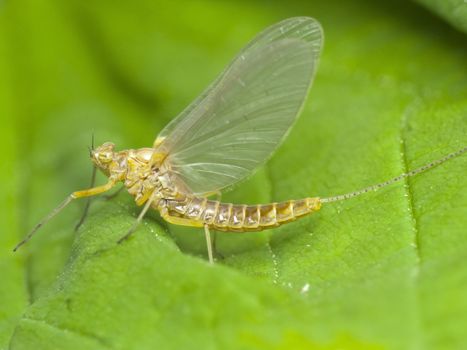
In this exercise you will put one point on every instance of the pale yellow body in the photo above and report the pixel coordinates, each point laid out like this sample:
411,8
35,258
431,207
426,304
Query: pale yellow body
147,177
198,212
244,115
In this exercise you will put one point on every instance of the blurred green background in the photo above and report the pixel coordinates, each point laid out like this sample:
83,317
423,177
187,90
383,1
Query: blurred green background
382,271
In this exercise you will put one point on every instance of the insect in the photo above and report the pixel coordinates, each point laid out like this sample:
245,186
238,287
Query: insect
230,130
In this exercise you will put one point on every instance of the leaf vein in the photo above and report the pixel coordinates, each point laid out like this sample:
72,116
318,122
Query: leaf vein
414,222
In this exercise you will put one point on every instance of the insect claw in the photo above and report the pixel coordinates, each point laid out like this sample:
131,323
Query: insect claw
128,234
122,239
17,246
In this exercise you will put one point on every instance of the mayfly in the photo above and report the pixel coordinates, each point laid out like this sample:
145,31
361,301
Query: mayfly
222,137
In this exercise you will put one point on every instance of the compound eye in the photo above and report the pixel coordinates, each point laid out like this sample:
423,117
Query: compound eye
105,157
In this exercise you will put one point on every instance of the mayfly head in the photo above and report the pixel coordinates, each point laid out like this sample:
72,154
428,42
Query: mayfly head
103,155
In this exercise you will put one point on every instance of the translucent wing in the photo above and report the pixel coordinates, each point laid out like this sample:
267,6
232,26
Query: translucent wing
237,123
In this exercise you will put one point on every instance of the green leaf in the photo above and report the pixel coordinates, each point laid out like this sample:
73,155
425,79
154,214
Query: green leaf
454,11
13,290
384,270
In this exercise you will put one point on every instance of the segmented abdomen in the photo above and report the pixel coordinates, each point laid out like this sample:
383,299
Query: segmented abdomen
242,217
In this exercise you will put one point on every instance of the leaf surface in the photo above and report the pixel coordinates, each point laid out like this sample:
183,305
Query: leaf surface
384,270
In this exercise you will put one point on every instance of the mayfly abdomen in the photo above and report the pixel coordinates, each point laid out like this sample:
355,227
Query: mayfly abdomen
191,208
241,217
196,211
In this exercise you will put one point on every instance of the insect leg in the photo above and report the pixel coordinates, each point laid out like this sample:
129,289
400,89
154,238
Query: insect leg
209,243
140,217
113,195
192,223
88,202
180,221
218,195
78,194
94,191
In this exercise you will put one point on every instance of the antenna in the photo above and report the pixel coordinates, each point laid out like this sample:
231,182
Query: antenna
395,179
91,149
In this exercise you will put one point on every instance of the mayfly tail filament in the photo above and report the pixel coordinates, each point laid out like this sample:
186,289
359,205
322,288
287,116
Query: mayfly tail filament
395,179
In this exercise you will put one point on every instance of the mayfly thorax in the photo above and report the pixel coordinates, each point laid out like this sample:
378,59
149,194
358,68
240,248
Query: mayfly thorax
230,130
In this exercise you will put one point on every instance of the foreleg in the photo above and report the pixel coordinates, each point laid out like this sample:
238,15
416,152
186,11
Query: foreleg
77,194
